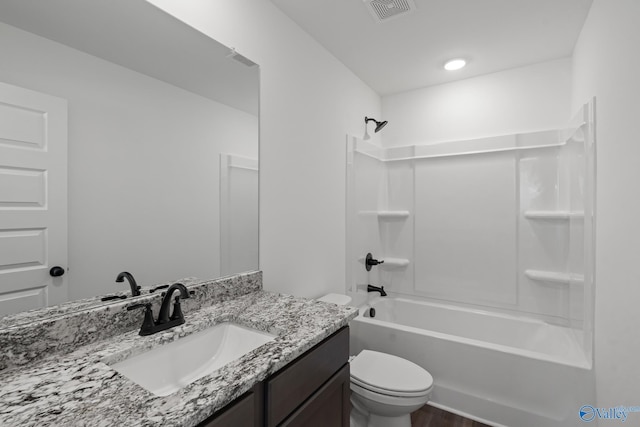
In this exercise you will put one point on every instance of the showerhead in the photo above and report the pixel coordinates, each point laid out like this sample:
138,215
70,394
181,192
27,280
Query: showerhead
379,125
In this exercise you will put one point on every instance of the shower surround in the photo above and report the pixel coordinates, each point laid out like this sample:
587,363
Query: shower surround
501,225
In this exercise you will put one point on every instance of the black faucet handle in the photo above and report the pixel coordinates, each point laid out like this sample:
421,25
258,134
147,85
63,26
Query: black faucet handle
370,261
148,323
158,287
112,297
136,306
177,310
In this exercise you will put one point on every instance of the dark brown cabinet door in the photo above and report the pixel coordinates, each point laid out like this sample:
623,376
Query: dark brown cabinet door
292,386
246,411
328,407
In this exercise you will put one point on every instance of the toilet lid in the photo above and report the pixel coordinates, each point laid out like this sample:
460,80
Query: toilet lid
389,374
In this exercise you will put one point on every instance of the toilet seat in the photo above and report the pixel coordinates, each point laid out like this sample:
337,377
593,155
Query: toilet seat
390,393
396,401
389,375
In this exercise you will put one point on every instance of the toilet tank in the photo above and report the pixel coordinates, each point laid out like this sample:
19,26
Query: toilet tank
339,299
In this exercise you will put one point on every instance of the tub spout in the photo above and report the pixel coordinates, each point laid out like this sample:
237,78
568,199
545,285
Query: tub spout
371,288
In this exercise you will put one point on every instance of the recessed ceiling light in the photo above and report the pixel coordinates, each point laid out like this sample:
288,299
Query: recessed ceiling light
455,64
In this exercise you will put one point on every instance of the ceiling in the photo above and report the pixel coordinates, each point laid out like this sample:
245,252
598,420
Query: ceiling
409,50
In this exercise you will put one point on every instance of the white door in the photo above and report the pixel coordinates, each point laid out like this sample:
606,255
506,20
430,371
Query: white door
33,199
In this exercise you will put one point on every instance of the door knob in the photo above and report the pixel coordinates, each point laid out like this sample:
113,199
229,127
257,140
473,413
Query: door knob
56,271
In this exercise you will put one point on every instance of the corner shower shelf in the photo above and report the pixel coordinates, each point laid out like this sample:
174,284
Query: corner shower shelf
386,215
554,277
553,215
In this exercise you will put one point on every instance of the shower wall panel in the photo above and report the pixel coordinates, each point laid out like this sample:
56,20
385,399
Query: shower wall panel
365,190
465,228
397,233
543,243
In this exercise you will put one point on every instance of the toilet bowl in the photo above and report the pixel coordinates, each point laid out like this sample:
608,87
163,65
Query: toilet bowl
385,389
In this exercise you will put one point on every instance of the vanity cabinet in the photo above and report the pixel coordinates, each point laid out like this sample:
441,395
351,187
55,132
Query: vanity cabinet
329,406
314,383
247,410
311,391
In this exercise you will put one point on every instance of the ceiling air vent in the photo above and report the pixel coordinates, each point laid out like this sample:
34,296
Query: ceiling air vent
384,10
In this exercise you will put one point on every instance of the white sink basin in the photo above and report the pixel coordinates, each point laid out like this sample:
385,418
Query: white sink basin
167,368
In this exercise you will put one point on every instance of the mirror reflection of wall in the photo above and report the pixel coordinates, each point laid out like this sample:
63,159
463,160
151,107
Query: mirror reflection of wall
143,168
238,213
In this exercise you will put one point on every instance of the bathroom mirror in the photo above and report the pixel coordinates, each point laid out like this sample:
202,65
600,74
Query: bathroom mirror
161,134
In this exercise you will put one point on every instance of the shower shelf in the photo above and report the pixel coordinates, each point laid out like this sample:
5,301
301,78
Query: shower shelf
554,277
386,215
553,215
392,263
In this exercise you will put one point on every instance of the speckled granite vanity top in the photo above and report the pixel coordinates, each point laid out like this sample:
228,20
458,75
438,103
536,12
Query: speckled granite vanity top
80,389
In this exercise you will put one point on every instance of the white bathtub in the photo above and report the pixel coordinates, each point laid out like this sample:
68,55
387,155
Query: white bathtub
499,369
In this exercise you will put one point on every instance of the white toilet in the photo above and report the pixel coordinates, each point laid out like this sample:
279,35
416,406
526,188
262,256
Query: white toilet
385,388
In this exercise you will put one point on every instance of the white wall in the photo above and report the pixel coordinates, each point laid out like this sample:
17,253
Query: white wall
606,66
309,101
531,98
143,165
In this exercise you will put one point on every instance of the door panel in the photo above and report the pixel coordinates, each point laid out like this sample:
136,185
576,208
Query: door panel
33,199
22,127
23,188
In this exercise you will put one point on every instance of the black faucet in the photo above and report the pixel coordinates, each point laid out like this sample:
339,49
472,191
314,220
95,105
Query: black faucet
163,316
371,288
164,322
135,289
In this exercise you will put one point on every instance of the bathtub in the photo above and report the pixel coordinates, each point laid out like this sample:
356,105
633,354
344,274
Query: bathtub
498,369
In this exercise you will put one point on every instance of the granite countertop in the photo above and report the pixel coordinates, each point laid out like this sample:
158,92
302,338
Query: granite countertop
80,389
24,317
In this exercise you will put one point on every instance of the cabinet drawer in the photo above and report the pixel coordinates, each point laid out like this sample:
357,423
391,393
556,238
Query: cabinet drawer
289,388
